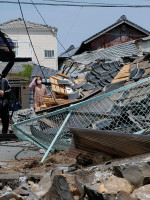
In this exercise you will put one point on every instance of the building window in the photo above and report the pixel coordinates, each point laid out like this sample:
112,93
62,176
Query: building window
49,53
16,48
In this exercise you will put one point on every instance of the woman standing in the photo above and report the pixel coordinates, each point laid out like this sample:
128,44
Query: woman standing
39,92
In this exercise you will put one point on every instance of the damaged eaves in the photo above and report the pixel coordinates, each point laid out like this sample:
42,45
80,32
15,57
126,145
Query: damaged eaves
44,72
97,68
86,65
112,143
127,49
100,76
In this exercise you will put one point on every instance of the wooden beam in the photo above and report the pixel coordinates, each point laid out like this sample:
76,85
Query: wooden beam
54,77
58,101
49,122
63,75
118,80
123,74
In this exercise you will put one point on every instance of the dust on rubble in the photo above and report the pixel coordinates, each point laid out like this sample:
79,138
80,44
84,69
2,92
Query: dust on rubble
33,164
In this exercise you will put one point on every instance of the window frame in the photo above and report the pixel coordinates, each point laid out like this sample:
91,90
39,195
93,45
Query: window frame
49,54
16,49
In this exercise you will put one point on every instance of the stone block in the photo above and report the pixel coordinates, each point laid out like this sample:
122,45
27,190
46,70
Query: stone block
142,193
59,190
114,185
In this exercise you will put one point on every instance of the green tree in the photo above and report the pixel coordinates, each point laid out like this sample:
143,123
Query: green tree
26,73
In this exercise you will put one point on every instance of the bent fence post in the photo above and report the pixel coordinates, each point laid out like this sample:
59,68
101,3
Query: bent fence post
56,136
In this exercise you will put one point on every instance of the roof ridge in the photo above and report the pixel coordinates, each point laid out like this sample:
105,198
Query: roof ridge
29,22
121,20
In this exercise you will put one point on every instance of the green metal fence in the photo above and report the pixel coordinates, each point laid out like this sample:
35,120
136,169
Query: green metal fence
126,110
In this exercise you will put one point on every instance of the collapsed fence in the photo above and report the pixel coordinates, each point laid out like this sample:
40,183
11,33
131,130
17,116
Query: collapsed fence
125,110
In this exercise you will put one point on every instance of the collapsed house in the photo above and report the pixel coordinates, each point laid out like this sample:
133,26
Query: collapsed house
103,90
121,31
120,103
90,74
114,121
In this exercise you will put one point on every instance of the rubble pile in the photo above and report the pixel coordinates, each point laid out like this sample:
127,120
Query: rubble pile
115,180
104,131
22,115
80,81
77,80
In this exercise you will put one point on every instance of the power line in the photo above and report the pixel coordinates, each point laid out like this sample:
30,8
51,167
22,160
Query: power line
81,2
28,32
75,20
32,44
49,28
79,5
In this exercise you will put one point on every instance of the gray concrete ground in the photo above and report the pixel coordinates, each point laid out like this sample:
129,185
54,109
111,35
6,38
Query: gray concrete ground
17,150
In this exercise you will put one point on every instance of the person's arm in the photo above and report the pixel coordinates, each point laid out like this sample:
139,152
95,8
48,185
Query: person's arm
45,93
6,88
32,84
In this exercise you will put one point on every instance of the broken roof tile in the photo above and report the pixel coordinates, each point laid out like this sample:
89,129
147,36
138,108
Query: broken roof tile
139,74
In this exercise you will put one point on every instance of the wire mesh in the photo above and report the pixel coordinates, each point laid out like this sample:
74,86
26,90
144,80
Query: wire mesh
124,110
42,130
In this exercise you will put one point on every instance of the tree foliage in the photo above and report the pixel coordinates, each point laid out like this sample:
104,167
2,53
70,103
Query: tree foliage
26,73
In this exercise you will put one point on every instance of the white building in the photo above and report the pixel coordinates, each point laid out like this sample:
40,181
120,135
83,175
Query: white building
43,39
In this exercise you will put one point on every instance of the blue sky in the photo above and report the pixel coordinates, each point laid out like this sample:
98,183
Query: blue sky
76,24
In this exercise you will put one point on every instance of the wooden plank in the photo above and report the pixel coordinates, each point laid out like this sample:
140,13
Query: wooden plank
59,90
53,80
47,104
79,80
118,80
56,87
47,96
58,101
125,69
49,122
123,74
63,75
43,107
56,78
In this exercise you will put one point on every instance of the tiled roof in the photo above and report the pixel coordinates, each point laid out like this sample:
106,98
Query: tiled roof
19,24
126,49
69,53
17,67
44,72
121,20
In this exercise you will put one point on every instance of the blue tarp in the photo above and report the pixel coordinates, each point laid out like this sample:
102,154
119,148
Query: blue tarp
2,43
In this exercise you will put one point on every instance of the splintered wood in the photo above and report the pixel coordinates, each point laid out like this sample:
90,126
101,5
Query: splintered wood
63,75
58,101
59,93
123,74
56,87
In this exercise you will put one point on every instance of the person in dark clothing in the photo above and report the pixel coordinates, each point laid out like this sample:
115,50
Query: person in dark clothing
5,90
